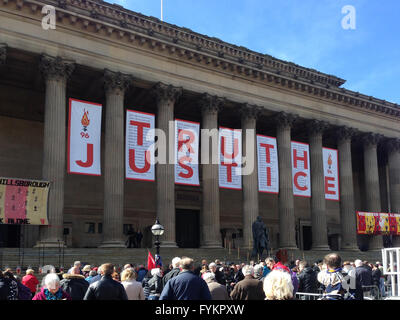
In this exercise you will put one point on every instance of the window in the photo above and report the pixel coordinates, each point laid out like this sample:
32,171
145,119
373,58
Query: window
90,227
100,227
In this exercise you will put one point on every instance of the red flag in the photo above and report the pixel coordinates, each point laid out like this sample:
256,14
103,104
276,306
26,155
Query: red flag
151,264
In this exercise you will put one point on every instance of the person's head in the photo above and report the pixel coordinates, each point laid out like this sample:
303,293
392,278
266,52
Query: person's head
217,261
128,265
128,274
378,263
187,264
297,262
52,282
258,270
358,263
77,264
203,262
209,277
86,269
30,272
106,269
248,270
156,271
333,261
75,270
212,267
270,262
115,276
175,262
278,286
302,264
92,273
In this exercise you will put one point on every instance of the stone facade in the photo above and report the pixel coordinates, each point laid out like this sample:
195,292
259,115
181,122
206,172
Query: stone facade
103,53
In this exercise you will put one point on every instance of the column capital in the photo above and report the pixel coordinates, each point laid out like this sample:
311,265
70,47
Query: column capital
116,81
371,139
345,133
165,92
211,104
249,111
56,67
285,119
392,145
316,127
3,53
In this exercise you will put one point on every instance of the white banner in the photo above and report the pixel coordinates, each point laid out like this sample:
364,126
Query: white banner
268,169
187,152
301,169
331,174
84,138
230,158
139,146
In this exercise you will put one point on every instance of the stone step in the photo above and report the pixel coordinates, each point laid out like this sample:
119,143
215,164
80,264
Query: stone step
12,257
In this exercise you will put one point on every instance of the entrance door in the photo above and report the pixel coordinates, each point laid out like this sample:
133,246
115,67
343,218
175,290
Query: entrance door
10,235
307,238
187,228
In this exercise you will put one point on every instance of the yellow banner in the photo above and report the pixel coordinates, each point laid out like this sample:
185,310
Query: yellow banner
23,201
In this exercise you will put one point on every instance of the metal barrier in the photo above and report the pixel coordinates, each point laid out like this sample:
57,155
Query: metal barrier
372,292
307,296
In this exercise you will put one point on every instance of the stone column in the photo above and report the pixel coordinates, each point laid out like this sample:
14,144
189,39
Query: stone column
250,181
115,84
372,193
56,72
347,208
166,95
287,226
393,147
210,235
318,202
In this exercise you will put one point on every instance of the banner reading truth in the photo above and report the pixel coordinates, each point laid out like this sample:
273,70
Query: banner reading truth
139,148
230,158
187,152
23,201
84,138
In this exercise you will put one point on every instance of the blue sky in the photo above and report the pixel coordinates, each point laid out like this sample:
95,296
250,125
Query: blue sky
306,32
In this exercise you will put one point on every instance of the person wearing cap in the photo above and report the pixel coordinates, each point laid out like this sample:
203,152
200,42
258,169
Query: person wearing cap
30,281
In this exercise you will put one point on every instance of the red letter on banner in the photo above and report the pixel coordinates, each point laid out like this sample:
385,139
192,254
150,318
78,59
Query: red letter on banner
329,185
89,157
189,174
303,158
140,126
235,149
229,169
188,142
296,176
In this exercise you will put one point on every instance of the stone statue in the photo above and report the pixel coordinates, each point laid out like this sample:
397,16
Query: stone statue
260,238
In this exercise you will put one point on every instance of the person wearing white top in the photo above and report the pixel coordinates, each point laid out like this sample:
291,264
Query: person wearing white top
132,287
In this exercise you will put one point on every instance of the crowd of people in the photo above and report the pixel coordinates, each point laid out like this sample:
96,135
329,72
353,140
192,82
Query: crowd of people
269,279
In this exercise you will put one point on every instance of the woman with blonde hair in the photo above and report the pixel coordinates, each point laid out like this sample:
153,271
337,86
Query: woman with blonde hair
278,286
133,288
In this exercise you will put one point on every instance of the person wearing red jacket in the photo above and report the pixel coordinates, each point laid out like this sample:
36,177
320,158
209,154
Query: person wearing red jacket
30,281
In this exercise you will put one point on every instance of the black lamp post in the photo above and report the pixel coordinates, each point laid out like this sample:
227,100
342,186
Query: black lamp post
157,229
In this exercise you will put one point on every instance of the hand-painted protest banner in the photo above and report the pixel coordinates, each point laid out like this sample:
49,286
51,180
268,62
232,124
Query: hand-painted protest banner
230,158
139,146
301,169
267,157
84,138
23,201
378,223
187,152
331,174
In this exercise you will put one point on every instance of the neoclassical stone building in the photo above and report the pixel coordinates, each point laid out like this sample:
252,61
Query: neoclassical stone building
106,54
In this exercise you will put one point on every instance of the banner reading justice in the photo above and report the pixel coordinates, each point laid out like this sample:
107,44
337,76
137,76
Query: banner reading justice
23,201
84,136
187,152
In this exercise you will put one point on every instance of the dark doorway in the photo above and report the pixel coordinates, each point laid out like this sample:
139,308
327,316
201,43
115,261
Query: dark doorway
10,236
187,228
307,238
333,242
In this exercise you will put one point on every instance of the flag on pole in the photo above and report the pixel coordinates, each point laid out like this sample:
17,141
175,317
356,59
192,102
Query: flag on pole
151,264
